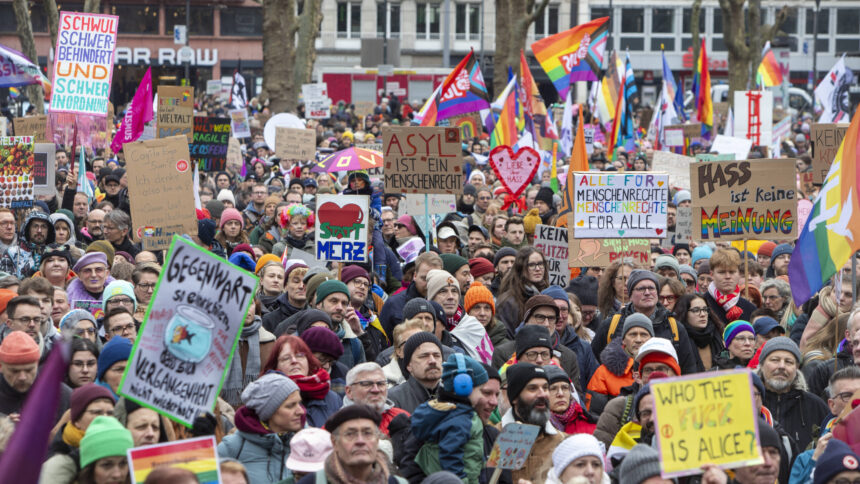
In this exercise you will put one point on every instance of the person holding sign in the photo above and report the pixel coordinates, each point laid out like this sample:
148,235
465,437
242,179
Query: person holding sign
293,219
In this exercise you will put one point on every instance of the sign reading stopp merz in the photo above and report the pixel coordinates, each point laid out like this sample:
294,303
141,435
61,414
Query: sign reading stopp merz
423,160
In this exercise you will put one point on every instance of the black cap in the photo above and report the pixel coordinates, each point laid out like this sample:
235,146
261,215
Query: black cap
352,412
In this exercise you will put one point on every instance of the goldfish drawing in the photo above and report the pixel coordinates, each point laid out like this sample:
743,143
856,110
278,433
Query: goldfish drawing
181,334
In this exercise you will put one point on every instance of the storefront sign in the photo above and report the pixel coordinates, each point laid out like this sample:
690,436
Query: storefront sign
167,56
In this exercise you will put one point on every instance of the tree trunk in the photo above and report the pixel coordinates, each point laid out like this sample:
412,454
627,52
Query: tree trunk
279,30
28,48
694,30
53,17
306,54
755,41
92,6
734,35
513,19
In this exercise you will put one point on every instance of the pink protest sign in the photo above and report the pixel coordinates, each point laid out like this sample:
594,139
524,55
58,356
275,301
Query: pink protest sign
83,66
515,171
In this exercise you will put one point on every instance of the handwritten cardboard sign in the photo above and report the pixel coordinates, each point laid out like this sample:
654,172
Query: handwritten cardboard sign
160,183
674,136
240,125
423,160
628,205
44,167
515,171
341,228
211,136
436,204
198,455
749,199
234,153
602,252
189,334
175,112
16,171
83,63
705,420
552,242
825,140
678,167
213,87
513,446
35,126
295,143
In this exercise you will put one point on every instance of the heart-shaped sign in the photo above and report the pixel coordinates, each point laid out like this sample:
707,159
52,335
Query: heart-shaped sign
515,171
337,216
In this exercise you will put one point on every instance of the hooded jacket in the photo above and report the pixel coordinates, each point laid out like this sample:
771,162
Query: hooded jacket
615,373
453,437
24,258
262,452
797,410
587,362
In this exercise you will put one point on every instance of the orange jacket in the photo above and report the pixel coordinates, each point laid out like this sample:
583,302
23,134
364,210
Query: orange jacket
605,382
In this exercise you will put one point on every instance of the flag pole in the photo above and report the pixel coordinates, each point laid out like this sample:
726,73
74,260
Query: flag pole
746,272
854,278
427,221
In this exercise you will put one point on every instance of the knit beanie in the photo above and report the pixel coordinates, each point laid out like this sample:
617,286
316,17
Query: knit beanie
105,437
117,349
450,369
265,259
640,394
502,253
480,266
532,336
292,264
555,374
71,318
637,320
704,268
437,280
330,287
585,288
58,250
351,272
556,292
452,262
90,258
216,207
700,252
769,437
477,293
313,284
84,395
102,246
668,261
530,220
734,329
638,276
658,350
780,343
641,463
492,373
537,301
231,214
442,477
688,269
766,249
836,458
18,348
118,288
246,248
206,231
243,260
266,394
519,375
545,195
416,306
681,196
757,383
781,249
417,340
227,195
574,447
323,340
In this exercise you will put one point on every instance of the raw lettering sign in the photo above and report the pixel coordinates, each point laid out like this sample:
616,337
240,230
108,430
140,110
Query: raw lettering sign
423,160
341,228
552,242
628,205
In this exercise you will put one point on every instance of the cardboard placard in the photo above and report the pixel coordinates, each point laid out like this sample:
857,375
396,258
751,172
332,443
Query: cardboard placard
513,446
825,140
552,242
749,199
198,455
35,126
309,259
684,225
213,87
678,167
341,228
602,252
44,169
234,153
160,183
83,63
689,130
189,334
16,171
209,149
673,137
705,420
240,126
739,147
175,112
437,204
295,143
626,205
423,160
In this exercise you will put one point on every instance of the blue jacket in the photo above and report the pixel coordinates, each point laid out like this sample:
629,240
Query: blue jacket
320,410
449,425
263,453
584,356
385,262
392,311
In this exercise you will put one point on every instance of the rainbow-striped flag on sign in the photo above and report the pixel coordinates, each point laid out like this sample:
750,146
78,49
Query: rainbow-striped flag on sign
573,55
769,73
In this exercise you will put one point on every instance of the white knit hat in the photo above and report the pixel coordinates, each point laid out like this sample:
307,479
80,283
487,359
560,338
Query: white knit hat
574,447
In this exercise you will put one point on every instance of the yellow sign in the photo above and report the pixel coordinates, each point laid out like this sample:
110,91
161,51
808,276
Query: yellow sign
705,420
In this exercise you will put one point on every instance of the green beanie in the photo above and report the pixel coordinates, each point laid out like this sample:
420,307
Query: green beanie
452,262
330,287
105,437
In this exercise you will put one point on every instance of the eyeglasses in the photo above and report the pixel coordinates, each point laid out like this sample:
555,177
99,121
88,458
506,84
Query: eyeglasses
360,284
534,355
771,298
844,396
621,278
125,301
118,330
645,289
29,321
534,265
485,198
147,286
745,339
670,298
588,314
110,227
367,384
701,310
83,331
541,318
84,364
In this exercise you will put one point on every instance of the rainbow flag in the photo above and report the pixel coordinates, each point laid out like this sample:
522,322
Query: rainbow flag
832,231
464,90
198,455
573,55
505,132
702,88
14,92
427,115
610,86
769,73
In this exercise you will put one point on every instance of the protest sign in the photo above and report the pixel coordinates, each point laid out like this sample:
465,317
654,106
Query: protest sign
35,126
602,252
189,333
198,455
674,136
513,446
739,147
552,242
213,87
437,204
825,140
410,250
627,205
589,139
16,171
423,160
688,130
309,259
160,183
295,143
715,157
678,167
234,153
93,307
240,126
741,111
705,420
175,112
83,63
341,228
514,171
317,103
44,166
684,225
749,199
209,149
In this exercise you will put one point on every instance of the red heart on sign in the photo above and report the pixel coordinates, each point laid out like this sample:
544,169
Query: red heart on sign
338,216
659,231
515,171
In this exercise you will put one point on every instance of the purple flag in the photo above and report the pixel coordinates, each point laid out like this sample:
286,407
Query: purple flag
137,115
28,446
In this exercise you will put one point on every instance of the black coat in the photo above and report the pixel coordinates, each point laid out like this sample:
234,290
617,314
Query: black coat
409,395
818,374
717,311
282,310
392,311
799,412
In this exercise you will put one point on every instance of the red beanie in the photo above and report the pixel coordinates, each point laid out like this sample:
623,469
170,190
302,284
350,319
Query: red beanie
766,249
480,266
6,296
18,348
659,357
83,396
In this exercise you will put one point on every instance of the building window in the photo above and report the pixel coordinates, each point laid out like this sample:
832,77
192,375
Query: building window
468,21
242,21
687,15
390,23
547,24
790,24
663,20
427,20
823,28
349,20
632,20
137,19
201,20
847,21
600,12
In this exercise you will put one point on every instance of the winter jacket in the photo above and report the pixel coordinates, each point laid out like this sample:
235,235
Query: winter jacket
262,452
539,460
587,362
616,413
498,334
717,311
282,310
818,374
24,258
319,410
77,292
392,311
797,410
568,359
353,349
509,312
615,373
473,338
385,263
453,437
688,354
126,246
63,465
410,394
374,339
392,373
11,400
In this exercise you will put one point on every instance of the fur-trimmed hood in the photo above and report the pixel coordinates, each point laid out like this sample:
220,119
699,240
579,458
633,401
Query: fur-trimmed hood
614,358
799,382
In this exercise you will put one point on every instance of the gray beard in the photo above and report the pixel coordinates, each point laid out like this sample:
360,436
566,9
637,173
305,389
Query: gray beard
777,386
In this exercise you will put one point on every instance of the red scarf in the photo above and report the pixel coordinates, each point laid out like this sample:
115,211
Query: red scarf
572,421
313,387
728,302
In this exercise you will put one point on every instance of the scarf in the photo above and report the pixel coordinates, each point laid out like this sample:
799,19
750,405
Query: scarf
703,337
72,435
727,301
455,319
268,302
313,387
236,379
335,473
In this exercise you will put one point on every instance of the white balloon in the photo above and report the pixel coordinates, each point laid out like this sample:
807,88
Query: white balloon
284,120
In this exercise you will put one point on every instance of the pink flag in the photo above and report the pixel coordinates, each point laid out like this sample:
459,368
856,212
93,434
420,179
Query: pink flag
137,115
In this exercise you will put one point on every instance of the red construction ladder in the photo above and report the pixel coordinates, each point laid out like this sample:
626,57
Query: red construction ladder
754,117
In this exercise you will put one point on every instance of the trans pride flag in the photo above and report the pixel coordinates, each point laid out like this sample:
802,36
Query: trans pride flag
573,55
464,90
